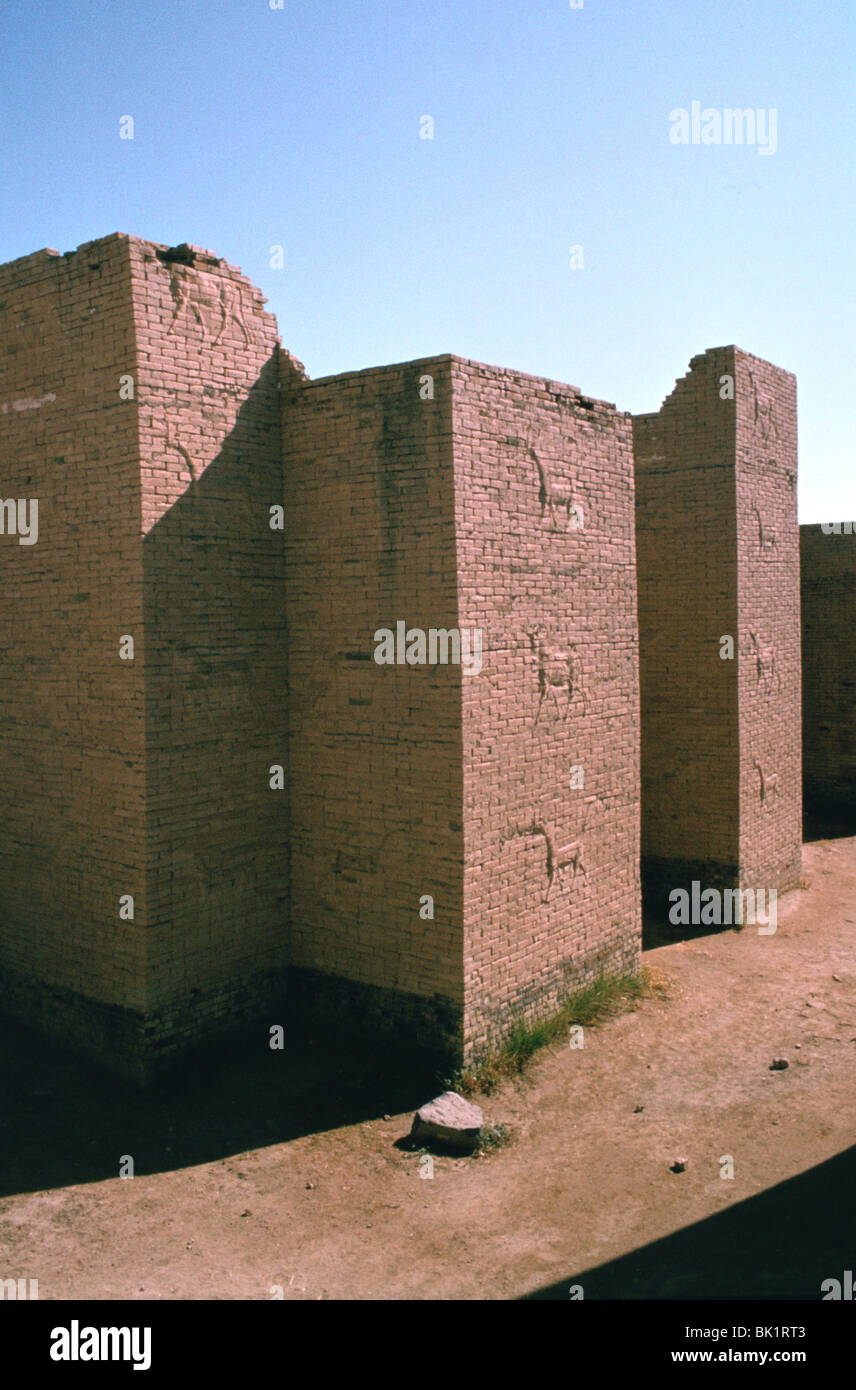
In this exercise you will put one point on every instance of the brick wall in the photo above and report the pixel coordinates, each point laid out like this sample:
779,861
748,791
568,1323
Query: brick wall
716,553
374,750
71,711
141,389
214,630
768,602
546,562
453,511
686,548
444,851
828,584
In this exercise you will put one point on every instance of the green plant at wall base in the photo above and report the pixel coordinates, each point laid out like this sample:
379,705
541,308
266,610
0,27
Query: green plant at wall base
606,996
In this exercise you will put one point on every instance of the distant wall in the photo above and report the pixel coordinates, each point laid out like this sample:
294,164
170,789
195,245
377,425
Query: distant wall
828,586
546,563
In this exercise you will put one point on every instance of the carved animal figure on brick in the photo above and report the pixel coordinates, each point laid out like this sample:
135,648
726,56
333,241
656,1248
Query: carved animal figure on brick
561,860
567,858
181,288
766,668
556,497
769,788
173,442
765,416
766,535
557,677
231,310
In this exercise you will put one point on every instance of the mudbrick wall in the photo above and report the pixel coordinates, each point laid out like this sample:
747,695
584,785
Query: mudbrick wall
686,545
375,754
719,629
72,713
768,616
207,368
544,516
828,584
142,393
374,749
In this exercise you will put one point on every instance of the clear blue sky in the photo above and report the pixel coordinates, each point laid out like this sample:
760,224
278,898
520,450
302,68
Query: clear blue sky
300,127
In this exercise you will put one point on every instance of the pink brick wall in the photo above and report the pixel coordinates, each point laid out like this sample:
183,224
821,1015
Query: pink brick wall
546,559
716,551
828,582
71,711
215,643
768,602
442,494
411,781
374,750
687,575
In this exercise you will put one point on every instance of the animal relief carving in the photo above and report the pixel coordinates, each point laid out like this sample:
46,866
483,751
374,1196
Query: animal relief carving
763,654
765,415
769,786
766,535
557,675
556,496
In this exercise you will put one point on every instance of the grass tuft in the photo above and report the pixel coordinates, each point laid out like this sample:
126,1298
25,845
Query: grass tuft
607,996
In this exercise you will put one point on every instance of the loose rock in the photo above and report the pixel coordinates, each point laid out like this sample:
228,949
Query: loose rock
448,1119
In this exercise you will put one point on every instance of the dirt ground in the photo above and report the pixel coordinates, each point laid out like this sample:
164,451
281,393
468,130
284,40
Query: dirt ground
281,1176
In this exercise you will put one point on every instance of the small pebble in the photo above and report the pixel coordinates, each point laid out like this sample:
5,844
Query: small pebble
779,1064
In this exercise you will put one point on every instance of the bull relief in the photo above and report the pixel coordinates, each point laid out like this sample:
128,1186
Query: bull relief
766,535
765,413
558,680
559,508
768,788
191,302
763,656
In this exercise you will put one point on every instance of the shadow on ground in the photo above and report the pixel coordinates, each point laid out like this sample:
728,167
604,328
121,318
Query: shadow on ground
657,930
66,1121
782,1243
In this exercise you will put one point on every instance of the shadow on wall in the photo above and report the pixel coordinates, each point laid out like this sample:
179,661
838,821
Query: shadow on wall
824,821
216,721
782,1243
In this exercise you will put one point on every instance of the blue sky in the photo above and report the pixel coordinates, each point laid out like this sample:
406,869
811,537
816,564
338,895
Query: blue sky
299,127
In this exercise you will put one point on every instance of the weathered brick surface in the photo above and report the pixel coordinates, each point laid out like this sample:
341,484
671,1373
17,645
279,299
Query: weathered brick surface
374,750
716,550
546,563
147,777
768,604
455,512
214,644
828,586
72,736
441,494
